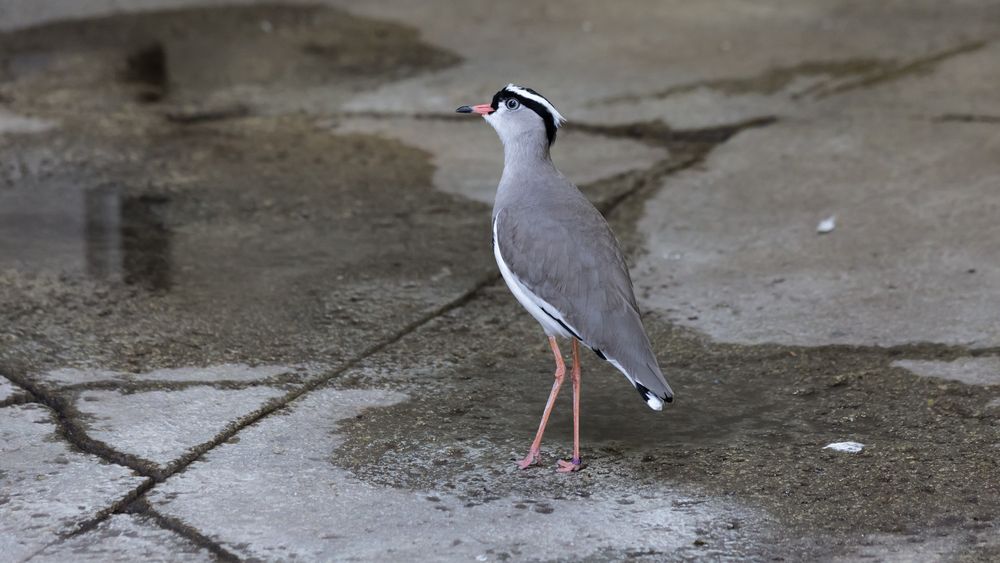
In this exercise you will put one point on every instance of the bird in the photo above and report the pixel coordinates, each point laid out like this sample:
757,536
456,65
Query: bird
561,260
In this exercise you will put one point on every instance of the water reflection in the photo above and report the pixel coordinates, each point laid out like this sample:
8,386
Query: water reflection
102,231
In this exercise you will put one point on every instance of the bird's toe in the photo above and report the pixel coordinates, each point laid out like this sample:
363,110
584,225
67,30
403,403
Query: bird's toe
569,466
529,460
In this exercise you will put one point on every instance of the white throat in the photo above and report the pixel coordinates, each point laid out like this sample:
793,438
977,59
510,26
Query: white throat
520,146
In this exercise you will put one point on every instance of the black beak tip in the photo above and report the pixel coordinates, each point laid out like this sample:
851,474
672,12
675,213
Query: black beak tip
464,109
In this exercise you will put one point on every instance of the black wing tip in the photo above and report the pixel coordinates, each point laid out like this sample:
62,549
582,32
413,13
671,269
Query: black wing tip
654,400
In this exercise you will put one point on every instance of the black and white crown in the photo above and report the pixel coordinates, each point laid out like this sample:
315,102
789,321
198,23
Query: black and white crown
535,102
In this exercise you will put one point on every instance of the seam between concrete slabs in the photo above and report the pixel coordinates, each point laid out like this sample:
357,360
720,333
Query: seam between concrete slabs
141,507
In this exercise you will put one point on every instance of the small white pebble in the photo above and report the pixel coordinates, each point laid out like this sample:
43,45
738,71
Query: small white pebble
827,225
482,557
846,447
266,26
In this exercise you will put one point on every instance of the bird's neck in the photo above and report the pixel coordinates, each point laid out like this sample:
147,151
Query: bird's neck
525,151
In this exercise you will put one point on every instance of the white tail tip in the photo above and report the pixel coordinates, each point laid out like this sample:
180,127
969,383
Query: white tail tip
654,403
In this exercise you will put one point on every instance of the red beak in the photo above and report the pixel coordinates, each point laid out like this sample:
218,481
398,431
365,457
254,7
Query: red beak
481,109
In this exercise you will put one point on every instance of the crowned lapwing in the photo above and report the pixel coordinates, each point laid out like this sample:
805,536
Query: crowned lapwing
561,260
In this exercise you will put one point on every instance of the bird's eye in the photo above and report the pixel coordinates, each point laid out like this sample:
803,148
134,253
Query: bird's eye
513,103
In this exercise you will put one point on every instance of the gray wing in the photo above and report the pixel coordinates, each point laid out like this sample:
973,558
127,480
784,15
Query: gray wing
565,253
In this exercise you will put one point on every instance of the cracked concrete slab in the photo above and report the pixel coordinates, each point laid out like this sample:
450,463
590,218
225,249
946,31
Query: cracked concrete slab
161,426
971,371
46,488
468,157
731,248
358,520
125,537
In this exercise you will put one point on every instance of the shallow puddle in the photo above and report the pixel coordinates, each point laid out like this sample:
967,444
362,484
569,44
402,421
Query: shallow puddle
98,231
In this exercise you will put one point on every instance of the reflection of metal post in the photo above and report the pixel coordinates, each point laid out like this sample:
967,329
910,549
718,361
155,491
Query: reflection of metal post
146,241
127,238
103,232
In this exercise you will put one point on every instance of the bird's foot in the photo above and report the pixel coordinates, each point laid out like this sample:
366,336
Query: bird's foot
531,459
570,466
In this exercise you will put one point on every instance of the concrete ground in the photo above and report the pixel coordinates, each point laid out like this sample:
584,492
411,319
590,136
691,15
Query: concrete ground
248,308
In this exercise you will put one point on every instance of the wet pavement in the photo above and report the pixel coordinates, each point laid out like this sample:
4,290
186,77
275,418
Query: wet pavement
248,308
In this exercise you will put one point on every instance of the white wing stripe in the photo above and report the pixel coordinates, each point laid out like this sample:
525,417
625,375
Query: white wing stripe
544,313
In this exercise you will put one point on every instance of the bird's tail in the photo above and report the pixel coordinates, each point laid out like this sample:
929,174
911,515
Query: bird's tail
652,386
647,379
628,349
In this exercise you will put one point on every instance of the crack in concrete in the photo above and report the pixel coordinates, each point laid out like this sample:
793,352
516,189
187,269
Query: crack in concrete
100,516
141,507
136,505
921,65
968,118
67,422
696,142
130,387
853,73
768,82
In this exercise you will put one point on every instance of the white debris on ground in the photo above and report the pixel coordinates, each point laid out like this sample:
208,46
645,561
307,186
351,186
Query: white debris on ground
827,225
846,447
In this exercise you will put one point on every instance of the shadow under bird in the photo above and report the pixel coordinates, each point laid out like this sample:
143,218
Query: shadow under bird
561,260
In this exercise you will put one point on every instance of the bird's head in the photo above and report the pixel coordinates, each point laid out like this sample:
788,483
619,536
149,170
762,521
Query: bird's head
520,114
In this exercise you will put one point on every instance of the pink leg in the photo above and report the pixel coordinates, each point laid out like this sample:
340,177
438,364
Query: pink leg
532,457
575,464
